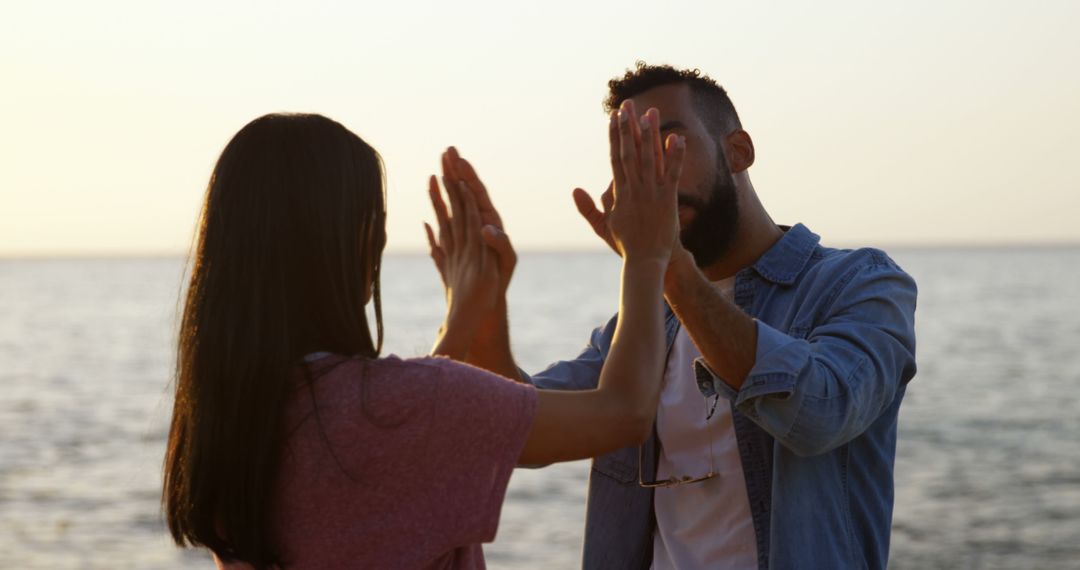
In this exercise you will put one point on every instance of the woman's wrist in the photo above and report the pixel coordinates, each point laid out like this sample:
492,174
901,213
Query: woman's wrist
461,321
644,265
642,281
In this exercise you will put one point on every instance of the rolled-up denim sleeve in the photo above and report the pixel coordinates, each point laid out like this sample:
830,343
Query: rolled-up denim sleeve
581,373
817,393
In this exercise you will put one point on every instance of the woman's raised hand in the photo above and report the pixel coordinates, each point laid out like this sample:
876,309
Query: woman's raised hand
643,218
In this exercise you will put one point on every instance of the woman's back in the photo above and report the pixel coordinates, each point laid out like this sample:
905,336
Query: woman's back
396,463
363,462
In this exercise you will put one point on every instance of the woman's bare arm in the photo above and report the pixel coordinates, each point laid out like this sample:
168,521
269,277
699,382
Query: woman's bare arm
573,425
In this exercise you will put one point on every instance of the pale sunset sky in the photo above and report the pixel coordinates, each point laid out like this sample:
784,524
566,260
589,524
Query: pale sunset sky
913,123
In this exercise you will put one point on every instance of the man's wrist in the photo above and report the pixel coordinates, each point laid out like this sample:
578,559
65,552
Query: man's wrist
461,323
454,339
493,325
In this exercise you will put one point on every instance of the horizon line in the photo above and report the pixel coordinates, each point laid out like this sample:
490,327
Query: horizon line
407,251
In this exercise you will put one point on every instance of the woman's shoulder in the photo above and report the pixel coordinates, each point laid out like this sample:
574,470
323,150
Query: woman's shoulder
449,373
338,365
421,367
395,377
346,379
384,392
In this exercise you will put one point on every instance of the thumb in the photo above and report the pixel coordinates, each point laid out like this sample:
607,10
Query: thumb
497,240
586,207
597,219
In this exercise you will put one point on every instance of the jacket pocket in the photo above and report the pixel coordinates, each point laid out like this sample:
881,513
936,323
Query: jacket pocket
621,465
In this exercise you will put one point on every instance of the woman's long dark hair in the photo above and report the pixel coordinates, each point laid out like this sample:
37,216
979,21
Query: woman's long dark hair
287,254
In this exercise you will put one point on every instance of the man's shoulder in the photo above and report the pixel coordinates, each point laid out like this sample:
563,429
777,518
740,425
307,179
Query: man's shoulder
837,261
832,271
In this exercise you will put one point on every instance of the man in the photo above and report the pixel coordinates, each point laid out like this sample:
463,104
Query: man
776,432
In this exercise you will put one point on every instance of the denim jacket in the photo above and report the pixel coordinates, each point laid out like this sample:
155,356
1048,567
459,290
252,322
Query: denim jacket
815,419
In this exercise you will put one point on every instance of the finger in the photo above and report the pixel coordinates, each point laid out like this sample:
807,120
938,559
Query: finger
453,192
448,164
635,129
437,203
498,241
437,254
472,217
432,242
647,157
657,142
457,212
676,152
441,215
467,173
454,160
617,173
607,199
627,149
450,177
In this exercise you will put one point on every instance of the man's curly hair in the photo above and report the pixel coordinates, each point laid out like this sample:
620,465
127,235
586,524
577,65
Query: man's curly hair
713,105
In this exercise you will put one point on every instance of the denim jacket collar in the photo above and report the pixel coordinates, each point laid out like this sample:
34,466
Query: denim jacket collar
785,260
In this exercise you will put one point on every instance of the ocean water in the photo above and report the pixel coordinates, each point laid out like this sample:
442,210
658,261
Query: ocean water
988,467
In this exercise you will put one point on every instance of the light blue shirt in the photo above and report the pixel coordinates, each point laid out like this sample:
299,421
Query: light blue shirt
815,420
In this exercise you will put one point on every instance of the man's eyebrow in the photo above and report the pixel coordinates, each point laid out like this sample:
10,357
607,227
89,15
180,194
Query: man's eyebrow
672,125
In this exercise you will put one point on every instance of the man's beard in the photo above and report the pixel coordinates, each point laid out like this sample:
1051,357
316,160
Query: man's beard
711,233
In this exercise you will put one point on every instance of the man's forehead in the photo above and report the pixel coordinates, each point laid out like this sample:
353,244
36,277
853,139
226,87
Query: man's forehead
674,101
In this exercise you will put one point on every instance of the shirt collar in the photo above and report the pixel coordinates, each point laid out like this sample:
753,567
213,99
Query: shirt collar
784,261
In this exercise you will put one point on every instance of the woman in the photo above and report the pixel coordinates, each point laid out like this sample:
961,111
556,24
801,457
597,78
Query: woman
293,444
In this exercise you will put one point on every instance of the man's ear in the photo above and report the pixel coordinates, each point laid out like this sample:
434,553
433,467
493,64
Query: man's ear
740,151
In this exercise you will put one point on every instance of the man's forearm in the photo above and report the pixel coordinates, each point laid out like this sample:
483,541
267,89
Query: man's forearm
722,332
490,348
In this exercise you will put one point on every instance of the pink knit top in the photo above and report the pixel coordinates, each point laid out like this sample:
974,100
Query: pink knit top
396,463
